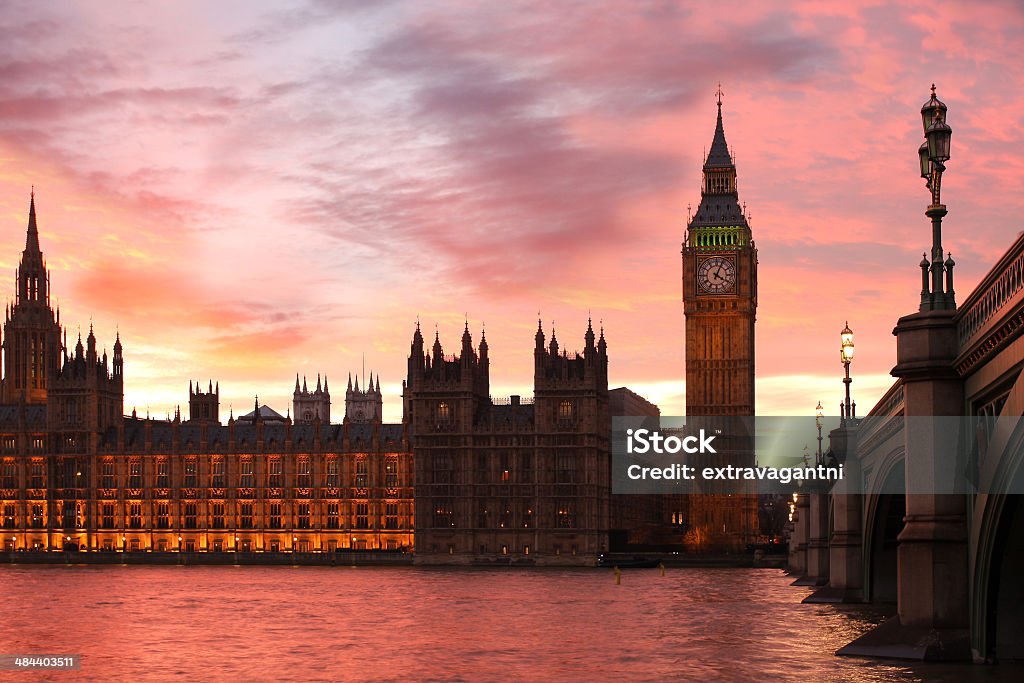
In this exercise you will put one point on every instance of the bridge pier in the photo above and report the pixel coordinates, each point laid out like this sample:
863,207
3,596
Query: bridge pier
846,554
933,619
798,543
817,539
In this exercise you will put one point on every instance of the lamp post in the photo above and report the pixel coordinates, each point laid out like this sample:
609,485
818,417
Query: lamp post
819,420
933,155
846,357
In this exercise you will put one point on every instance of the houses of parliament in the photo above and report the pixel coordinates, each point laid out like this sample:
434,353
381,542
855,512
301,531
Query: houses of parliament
463,478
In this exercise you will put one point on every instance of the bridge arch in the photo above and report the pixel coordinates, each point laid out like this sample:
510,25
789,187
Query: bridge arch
998,578
883,521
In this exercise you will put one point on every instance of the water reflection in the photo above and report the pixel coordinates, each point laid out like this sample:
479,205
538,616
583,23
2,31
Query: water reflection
321,623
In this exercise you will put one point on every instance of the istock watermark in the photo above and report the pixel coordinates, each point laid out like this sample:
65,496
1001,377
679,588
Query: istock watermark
747,454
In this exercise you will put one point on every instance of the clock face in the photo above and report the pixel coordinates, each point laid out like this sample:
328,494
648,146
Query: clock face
716,275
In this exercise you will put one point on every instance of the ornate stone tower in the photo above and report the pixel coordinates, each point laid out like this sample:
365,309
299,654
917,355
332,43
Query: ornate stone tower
719,303
86,396
364,406
310,406
204,407
32,344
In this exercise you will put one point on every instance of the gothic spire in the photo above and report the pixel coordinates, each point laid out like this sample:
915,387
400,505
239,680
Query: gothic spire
719,156
719,198
32,239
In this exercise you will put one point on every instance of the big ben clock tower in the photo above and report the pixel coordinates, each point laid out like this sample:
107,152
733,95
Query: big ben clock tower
719,304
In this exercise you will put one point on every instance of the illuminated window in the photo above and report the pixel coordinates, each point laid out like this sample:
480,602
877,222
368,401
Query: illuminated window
303,516
134,474
362,473
217,479
565,410
37,476
443,516
274,520
245,516
505,515
163,478
9,475
191,470
443,413
9,521
107,519
333,521
528,517
332,472
274,477
70,514
135,515
163,515
302,473
391,472
391,516
38,516
108,474
246,479
190,516
217,515
362,516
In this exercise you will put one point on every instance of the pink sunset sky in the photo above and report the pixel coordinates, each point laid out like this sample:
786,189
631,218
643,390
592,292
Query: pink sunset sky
249,190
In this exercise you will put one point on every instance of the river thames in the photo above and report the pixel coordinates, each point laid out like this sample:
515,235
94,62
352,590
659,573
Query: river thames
400,624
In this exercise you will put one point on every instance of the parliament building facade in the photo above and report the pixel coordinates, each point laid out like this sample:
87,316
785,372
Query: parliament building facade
463,478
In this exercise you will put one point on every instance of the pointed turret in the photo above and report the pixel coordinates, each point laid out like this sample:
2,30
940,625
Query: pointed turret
437,347
32,238
540,335
118,357
553,346
296,382
318,388
91,346
718,155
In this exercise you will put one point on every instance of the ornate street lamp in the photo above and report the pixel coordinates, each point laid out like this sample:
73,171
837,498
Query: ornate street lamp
932,156
848,409
819,420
